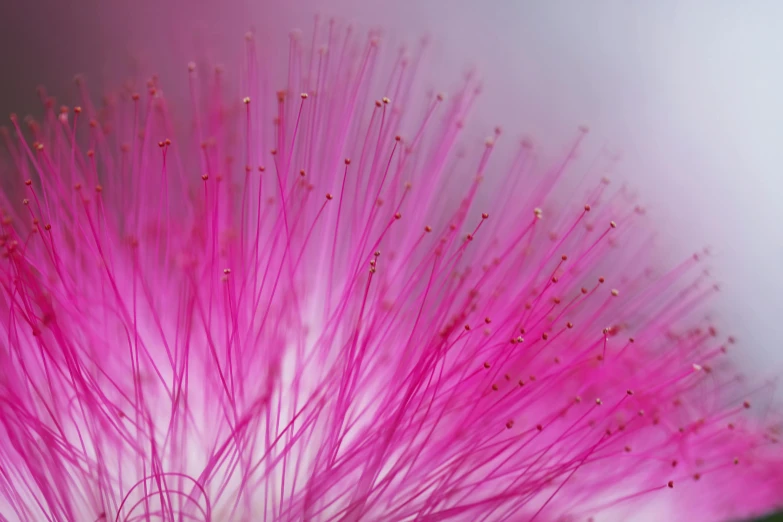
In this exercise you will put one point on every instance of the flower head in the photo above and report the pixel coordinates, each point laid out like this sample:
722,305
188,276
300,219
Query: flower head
323,303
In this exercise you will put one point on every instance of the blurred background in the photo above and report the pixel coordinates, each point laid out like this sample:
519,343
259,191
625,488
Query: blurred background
687,93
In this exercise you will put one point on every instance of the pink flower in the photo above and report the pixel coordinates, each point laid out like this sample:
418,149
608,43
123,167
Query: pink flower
329,304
